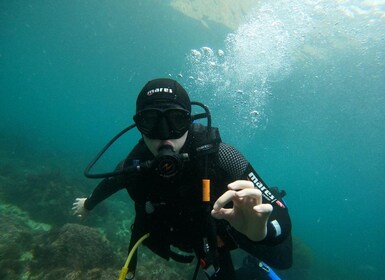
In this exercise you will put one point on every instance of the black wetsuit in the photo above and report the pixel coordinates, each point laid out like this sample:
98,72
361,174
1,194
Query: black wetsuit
170,208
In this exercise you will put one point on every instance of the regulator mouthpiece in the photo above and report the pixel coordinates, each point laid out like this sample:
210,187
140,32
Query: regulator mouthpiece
167,163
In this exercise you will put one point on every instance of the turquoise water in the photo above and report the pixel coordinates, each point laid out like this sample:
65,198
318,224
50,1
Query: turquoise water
299,88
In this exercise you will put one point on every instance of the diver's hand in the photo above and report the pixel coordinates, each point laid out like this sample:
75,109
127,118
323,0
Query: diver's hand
248,215
78,208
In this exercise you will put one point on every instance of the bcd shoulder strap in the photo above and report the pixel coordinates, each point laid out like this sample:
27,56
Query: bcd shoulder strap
203,140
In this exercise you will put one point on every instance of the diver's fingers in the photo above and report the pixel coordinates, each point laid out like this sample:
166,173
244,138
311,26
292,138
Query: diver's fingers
251,193
79,202
223,200
222,213
245,190
240,185
264,209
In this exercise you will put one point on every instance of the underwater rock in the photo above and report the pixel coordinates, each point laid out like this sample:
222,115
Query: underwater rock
45,193
74,247
71,274
229,13
15,238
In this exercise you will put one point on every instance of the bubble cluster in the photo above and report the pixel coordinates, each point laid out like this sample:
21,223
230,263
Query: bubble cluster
236,79
264,49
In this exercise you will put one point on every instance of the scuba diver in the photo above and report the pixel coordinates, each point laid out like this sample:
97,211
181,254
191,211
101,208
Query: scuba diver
193,193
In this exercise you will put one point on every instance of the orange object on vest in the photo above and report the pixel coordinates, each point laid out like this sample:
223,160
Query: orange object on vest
205,190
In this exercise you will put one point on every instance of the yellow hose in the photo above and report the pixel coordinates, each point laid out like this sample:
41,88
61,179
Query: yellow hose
124,270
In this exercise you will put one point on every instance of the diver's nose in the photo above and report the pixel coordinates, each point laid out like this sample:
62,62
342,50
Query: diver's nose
163,130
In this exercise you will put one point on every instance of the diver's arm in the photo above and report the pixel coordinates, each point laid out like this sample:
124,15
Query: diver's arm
279,223
111,185
233,163
82,206
103,190
276,247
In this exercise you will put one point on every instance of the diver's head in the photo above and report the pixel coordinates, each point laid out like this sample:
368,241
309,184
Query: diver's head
163,114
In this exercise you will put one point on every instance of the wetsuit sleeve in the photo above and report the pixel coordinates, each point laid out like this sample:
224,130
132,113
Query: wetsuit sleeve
276,248
104,189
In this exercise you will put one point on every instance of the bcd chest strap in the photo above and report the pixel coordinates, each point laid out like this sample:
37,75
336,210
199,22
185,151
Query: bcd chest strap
202,144
202,141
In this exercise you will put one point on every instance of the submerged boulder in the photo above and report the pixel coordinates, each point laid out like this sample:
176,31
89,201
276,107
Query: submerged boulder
71,274
17,231
77,247
15,238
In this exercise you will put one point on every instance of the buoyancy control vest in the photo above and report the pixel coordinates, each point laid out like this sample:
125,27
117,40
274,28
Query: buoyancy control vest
170,209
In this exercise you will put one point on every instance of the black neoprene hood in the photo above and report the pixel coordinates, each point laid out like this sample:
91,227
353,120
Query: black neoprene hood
163,93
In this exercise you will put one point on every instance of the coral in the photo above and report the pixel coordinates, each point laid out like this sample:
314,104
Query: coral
43,192
16,238
71,274
73,246
30,250
151,266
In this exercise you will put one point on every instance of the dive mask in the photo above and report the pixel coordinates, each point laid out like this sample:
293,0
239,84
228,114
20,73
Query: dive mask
164,124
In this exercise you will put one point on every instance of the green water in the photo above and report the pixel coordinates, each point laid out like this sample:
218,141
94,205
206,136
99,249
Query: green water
299,88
